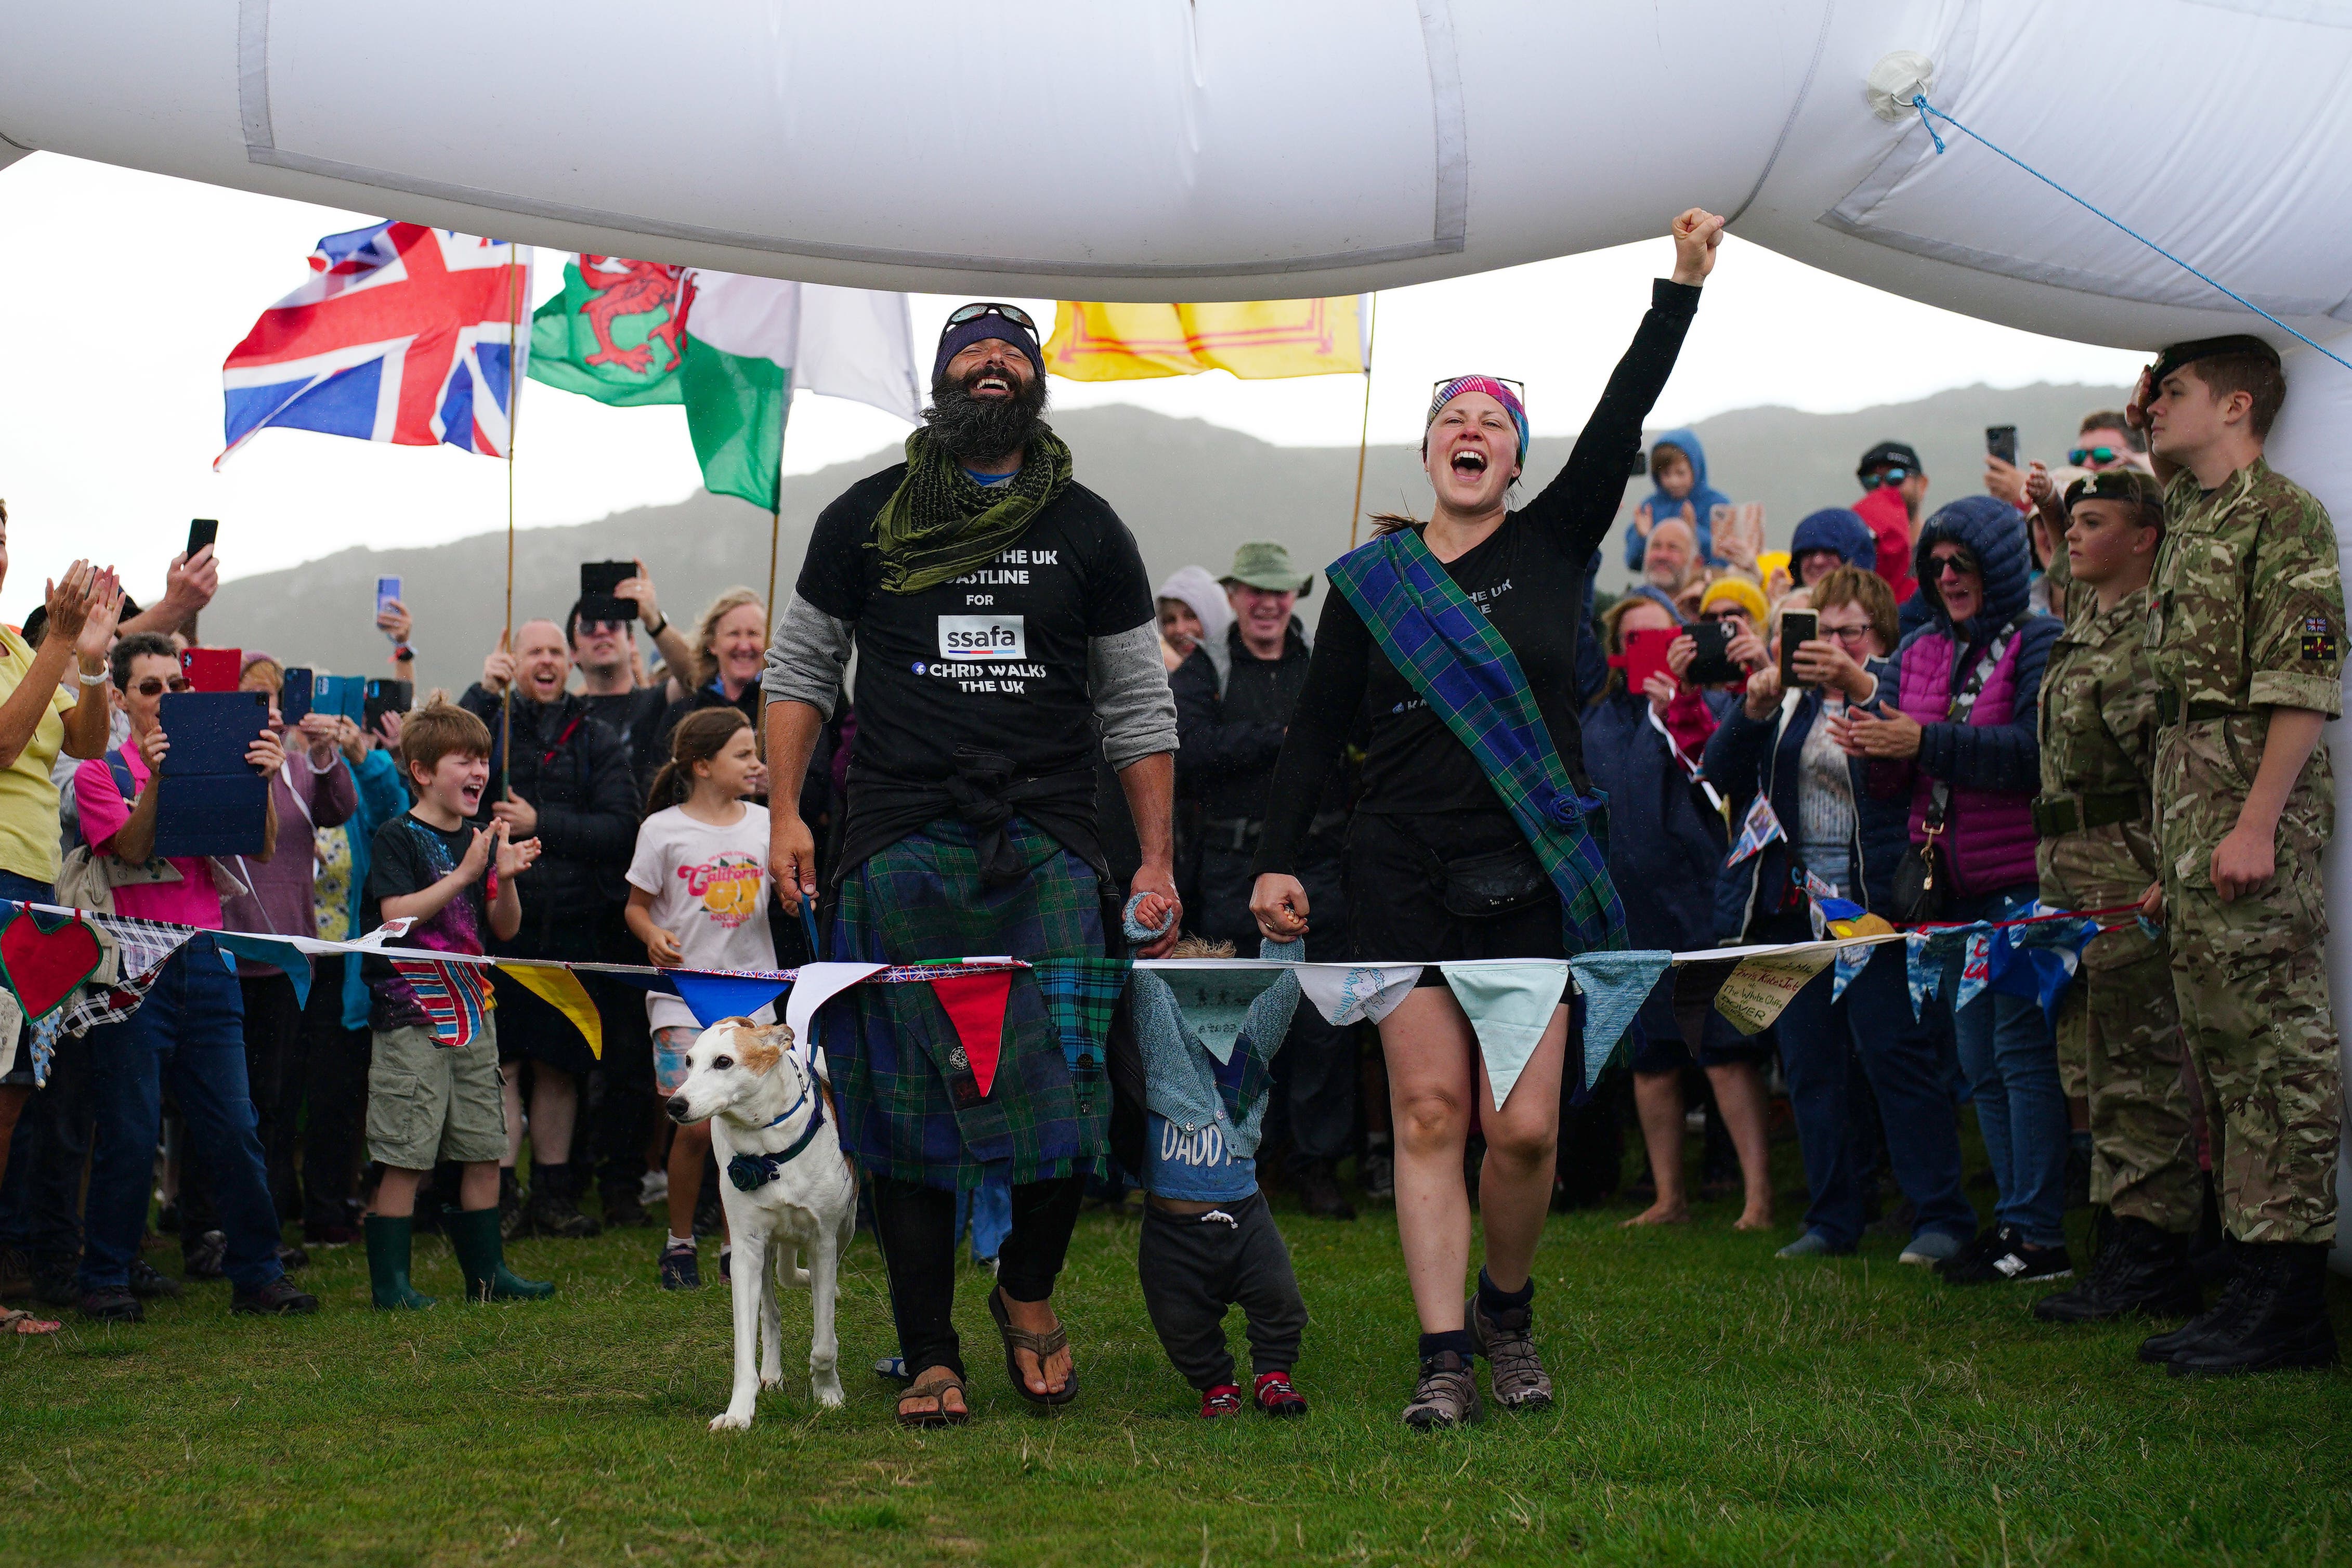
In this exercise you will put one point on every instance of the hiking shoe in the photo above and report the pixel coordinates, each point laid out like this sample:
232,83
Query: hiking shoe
2011,1261
1224,1399
1446,1394
281,1298
1514,1367
148,1285
679,1269
2138,1270
112,1304
2280,1323
1930,1248
1812,1244
622,1209
1275,1397
291,1258
1319,1195
205,1257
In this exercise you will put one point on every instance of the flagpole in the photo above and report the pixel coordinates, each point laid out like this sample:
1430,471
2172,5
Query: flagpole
776,504
1364,436
506,642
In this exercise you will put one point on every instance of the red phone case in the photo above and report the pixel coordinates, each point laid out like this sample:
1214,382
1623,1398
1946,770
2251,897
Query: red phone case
211,668
1645,652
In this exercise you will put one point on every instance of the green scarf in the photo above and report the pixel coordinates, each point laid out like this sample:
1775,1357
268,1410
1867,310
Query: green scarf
939,523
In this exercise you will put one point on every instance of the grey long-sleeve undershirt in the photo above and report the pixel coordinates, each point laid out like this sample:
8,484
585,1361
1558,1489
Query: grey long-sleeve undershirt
1134,709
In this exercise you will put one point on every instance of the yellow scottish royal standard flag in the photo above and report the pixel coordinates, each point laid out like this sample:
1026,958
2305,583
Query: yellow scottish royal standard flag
1256,340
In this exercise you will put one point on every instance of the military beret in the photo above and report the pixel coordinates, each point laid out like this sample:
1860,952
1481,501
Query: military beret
2179,354
2117,484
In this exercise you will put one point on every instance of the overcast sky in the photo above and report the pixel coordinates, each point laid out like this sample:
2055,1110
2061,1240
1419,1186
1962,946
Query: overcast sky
132,288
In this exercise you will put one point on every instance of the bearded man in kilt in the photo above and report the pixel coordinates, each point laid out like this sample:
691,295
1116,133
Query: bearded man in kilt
1007,631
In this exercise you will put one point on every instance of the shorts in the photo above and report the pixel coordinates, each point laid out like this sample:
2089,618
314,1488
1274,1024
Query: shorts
428,1102
670,1045
1701,1035
530,1029
1396,907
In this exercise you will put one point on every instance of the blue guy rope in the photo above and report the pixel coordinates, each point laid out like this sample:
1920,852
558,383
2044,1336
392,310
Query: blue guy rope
1919,101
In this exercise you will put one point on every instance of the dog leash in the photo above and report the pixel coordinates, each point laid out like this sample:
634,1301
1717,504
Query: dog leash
749,1173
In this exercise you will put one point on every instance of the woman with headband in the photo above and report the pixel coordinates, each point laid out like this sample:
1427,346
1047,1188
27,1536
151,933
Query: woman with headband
1476,834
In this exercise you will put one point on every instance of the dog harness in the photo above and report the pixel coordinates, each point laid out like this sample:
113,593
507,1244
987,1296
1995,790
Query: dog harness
749,1173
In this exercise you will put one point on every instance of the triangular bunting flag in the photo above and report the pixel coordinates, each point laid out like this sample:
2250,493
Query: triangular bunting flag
1081,994
1509,1007
1976,967
561,989
274,950
710,997
975,1005
456,996
1615,984
1754,994
1345,993
813,986
1216,1002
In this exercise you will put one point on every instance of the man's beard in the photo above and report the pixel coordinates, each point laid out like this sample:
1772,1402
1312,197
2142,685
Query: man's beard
977,429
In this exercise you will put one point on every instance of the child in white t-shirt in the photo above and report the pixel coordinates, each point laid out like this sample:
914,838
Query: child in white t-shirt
698,899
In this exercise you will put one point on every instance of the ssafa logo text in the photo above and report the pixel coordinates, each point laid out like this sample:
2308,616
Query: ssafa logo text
983,637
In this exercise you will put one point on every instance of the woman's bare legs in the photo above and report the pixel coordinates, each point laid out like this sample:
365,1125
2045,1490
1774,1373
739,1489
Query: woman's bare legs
1435,1068
1658,1098
1739,1095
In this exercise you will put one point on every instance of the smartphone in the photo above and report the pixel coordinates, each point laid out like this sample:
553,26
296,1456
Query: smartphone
2000,441
1713,663
386,590
211,668
386,696
294,697
1641,465
1797,628
597,600
1646,655
202,530
342,695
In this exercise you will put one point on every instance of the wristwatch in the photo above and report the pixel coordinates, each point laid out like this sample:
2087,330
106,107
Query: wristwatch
402,653
657,631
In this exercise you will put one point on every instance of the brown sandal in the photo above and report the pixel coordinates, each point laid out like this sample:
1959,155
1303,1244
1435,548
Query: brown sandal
936,1390
1039,1345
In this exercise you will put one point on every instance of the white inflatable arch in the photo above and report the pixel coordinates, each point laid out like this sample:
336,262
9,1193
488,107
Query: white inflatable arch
1231,149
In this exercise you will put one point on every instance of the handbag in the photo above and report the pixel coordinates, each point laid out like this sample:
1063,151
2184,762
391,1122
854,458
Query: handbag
1923,882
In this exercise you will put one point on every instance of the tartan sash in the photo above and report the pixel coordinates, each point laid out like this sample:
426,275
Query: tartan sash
1447,650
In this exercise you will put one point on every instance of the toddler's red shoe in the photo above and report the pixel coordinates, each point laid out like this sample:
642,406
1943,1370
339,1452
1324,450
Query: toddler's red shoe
1225,1399
1277,1397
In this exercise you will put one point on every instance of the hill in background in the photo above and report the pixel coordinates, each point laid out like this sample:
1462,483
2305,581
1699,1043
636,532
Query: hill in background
1191,491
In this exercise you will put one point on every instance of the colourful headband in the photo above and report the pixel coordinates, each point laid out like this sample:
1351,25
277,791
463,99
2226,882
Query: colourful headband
1447,391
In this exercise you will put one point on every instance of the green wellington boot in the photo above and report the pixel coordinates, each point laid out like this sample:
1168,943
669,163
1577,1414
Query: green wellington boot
481,1256
388,1244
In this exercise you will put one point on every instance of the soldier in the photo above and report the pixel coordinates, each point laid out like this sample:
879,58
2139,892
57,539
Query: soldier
2244,640
2119,1030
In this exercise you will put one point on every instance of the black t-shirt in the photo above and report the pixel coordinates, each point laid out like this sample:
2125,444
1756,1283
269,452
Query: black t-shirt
1528,576
996,658
409,856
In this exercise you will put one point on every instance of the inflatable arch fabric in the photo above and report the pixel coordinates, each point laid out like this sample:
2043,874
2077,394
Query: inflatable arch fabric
1229,149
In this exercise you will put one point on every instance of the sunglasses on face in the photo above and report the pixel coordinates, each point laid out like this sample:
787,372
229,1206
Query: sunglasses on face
2082,457
155,685
1013,314
598,629
1721,615
1883,476
1951,566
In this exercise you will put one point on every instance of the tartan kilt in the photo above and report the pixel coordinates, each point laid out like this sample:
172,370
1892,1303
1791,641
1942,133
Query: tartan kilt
910,1108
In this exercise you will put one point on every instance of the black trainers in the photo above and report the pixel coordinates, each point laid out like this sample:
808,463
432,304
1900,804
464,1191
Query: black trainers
54,1279
112,1304
1972,1253
1445,1395
205,1257
2280,1323
281,1298
679,1269
2009,1260
2138,1269
148,1285
1319,1195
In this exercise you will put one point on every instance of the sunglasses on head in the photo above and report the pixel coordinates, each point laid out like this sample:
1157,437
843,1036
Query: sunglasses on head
973,312
1519,389
2081,456
155,685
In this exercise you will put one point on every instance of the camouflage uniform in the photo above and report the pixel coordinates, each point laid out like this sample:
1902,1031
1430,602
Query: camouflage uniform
2118,1029
2249,616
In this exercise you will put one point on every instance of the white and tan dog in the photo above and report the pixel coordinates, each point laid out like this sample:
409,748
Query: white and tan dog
784,1185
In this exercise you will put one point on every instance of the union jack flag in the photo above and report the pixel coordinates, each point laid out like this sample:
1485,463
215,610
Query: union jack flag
406,334
456,996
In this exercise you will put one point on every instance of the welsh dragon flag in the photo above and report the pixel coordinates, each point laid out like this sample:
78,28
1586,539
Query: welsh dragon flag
729,348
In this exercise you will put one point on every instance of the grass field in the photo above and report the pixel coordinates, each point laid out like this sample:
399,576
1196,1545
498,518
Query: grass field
1716,1406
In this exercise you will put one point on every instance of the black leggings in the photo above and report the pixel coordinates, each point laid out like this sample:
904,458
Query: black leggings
917,1226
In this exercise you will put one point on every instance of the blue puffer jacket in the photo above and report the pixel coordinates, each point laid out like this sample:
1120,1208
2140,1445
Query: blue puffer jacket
1750,754
1835,528
1703,500
1985,756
